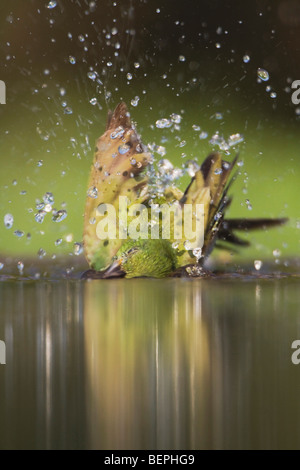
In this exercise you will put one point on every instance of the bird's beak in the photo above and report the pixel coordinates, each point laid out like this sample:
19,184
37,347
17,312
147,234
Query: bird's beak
114,270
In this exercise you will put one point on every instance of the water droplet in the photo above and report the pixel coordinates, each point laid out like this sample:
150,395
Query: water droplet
52,4
197,252
119,132
81,37
181,58
68,110
39,216
92,75
20,267
276,253
161,150
203,135
19,233
72,59
123,148
218,171
40,163
218,216
246,58
165,166
136,65
258,264
62,91
273,94
192,167
48,208
41,253
114,31
69,237
8,221
196,128
263,74
44,135
176,118
93,101
129,76
59,216
187,245
78,249
1,266
93,192
135,101
48,198
58,242
218,45
163,123
235,139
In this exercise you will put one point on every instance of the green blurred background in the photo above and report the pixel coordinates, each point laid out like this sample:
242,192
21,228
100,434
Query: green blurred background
186,58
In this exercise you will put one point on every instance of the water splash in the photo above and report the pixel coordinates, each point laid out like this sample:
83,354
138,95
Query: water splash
8,221
59,216
78,249
20,266
123,148
52,4
92,192
263,74
163,123
258,264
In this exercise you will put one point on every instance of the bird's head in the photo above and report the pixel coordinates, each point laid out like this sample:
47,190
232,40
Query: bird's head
144,258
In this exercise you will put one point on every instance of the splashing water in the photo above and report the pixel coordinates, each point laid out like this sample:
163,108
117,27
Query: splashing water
163,123
78,249
258,264
263,74
20,266
59,216
8,221
52,4
92,192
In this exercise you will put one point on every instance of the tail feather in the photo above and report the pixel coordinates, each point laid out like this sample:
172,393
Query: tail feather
228,226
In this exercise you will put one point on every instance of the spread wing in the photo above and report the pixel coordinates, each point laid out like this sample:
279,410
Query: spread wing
209,187
119,161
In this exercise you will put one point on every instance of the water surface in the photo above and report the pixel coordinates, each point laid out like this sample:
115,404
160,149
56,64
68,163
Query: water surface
147,364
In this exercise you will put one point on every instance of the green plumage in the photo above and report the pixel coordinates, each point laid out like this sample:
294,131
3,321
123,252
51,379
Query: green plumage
147,258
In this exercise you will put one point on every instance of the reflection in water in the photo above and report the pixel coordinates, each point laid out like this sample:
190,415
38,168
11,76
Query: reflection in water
41,392
189,365
147,356
149,364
